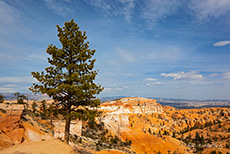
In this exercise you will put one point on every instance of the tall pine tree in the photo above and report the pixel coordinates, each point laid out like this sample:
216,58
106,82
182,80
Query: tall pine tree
70,78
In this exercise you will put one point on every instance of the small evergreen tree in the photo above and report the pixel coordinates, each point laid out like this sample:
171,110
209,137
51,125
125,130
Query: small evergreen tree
17,94
43,110
34,107
1,98
174,135
213,152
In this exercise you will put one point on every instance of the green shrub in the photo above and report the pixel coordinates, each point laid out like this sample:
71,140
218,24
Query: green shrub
2,110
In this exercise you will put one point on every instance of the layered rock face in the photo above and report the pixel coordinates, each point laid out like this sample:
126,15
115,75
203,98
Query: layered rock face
116,113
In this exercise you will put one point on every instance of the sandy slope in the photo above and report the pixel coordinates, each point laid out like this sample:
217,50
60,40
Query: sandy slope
149,144
42,147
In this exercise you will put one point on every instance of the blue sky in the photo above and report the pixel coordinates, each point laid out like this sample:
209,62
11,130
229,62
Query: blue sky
147,48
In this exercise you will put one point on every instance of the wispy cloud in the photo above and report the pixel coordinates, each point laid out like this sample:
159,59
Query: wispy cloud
168,52
209,9
152,82
115,8
8,14
154,11
151,11
112,90
25,79
61,8
157,10
7,90
226,75
150,79
213,75
192,75
127,10
126,55
12,84
221,43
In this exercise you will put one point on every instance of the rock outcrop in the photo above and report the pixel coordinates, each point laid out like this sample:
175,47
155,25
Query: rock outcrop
15,130
116,113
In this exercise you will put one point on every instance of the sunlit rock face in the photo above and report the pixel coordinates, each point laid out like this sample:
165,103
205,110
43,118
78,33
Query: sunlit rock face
11,125
18,128
116,113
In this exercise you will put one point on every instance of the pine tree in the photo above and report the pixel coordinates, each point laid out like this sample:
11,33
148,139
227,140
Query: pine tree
34,107
1,98
70,78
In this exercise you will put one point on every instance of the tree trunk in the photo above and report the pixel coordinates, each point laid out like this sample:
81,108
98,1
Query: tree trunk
67,127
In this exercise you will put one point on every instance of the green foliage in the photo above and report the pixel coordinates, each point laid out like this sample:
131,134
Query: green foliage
69,79
20,98
213,152
103,139
20,101
2,110
229,129
17,94
227,146
1,98
34,107
52,111
43,110
209,141
174,135
114,140
166,133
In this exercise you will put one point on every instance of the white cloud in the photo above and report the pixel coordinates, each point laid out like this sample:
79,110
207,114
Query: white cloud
192,75
61,8
221,43
150,79
209,9
226,75
152,82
